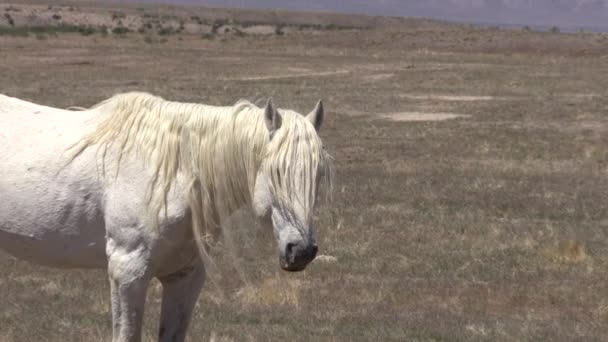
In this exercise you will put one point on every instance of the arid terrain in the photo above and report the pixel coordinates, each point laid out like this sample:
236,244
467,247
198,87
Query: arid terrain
471,195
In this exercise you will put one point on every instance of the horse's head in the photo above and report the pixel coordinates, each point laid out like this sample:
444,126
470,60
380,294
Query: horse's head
287,183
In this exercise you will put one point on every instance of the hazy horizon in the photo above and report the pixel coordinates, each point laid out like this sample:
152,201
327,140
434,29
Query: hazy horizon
563,13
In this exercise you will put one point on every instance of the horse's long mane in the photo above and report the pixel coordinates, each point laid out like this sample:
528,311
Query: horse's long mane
218,151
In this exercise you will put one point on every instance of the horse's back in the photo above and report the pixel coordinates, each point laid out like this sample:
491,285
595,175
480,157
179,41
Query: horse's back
34,139
25,121
11,104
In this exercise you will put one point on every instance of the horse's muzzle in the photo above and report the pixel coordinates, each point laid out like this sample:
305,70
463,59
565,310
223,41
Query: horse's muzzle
297,256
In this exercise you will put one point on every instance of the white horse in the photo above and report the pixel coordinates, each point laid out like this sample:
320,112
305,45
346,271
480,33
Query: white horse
135,183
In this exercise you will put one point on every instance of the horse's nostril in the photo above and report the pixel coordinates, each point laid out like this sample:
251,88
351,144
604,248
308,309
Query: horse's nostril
314,250
289,251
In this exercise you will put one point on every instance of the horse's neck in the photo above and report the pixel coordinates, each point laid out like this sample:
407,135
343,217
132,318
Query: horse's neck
237,158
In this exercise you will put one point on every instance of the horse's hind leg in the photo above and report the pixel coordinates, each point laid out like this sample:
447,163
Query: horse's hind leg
180,292
129,279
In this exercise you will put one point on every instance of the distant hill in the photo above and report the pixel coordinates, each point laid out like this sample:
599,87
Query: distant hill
567,14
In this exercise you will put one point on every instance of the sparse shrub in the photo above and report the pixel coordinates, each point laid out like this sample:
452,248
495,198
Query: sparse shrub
527,28
9,19
219,22
167,17
103,30
120,30
13,31
118,16
86,30
239,33
554,29
278,30
56,16
208,36
303,27
250,23
166,31
47,30
197,19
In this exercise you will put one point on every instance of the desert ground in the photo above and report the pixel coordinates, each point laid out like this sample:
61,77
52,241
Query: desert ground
471,194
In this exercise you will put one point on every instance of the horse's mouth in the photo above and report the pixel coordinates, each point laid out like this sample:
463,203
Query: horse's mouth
290,267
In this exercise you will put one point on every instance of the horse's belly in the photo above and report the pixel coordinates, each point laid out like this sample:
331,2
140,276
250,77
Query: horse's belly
50,219
52,224
58,225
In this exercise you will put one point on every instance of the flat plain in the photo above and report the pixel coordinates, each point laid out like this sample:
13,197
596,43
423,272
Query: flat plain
471,194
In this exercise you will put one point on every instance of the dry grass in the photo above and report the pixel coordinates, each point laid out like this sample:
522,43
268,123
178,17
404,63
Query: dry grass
568,251
271,292
492,227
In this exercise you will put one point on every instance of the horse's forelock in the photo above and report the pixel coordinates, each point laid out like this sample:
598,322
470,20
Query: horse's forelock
297,162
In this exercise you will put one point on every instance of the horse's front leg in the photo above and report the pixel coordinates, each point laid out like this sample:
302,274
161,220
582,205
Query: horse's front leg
180,293
129,278
115,302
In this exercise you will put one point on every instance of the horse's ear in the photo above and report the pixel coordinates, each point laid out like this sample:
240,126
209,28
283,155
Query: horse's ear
271,117
316,116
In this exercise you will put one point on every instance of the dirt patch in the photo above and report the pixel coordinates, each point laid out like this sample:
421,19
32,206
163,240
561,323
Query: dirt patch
418,116
378,77
278,77
583,96
463,98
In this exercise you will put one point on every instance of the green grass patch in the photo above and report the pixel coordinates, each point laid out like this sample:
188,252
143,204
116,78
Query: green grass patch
23,31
